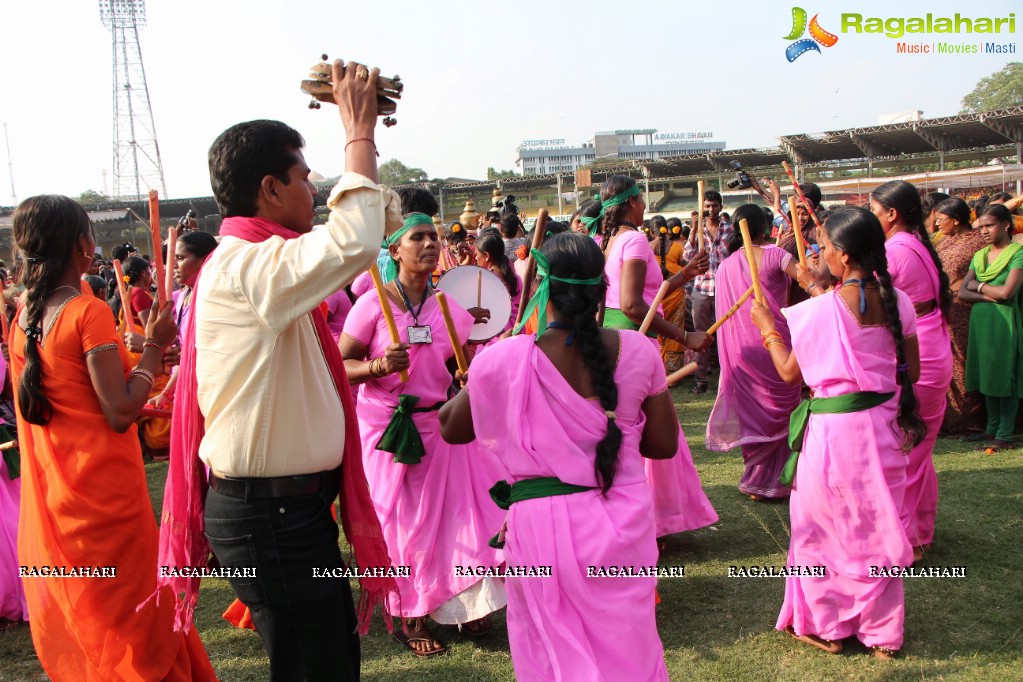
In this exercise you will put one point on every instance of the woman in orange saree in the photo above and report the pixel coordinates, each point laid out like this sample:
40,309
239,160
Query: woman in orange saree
668,246
85,508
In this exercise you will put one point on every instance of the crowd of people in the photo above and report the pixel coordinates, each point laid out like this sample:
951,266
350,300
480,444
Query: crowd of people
315,383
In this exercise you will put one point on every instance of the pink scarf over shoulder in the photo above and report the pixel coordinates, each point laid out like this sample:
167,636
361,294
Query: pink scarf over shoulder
182,528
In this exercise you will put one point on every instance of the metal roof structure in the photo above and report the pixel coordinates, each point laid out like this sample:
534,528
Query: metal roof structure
931,140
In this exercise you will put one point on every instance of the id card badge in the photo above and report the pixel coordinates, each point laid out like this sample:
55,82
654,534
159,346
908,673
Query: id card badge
420,334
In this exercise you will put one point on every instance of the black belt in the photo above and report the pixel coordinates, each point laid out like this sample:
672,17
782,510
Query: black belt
284,486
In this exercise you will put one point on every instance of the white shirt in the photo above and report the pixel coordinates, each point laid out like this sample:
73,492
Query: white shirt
268,398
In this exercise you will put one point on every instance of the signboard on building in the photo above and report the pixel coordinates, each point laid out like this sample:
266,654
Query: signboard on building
554,143
676,138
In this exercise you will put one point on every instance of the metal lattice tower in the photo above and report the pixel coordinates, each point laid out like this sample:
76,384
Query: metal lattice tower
137,165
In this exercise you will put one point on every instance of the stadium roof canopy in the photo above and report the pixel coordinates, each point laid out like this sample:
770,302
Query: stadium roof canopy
989,130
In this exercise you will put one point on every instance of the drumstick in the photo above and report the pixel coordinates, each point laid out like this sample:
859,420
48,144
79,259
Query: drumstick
479,289
699,198
126,314
155,412
747,245
172,244
442,301
527,282
681,374
4,326
154,228
731,311
385,308
648,320
797,231
799,193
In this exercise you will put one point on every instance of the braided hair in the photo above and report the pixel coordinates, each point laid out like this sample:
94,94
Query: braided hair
490,242
858,232
46,230
904,198
613,217
576,256
659,227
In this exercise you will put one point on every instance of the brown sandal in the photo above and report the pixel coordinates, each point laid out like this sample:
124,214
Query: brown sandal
883,653
418,625
480,627
831,646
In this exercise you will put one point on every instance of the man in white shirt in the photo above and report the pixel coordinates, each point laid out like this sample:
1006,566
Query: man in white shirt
275,426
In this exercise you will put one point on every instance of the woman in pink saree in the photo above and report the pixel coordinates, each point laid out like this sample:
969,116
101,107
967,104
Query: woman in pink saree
753,404
431,497
633,278
916,271
858,353
13,608
579,409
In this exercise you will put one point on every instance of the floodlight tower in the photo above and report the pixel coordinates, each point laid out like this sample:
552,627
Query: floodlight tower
137,165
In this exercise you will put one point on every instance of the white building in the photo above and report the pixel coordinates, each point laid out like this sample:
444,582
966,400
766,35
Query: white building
540,157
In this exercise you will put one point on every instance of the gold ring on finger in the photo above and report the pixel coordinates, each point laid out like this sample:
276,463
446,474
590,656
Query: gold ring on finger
362,73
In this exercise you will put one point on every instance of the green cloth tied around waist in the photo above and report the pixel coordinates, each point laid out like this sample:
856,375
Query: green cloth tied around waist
401,437
839,404
506,495
12,458
616,319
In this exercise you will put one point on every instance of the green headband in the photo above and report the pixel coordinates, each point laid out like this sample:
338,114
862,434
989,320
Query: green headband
411,220
543,292
620,198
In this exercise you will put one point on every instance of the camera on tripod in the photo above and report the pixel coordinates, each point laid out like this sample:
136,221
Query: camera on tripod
742,180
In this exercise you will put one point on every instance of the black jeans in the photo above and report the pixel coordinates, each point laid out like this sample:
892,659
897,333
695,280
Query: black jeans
307,623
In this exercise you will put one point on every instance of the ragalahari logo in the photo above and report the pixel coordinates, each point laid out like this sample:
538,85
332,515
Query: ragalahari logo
818,35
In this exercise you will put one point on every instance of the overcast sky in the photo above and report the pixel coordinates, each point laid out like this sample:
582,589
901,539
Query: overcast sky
480,77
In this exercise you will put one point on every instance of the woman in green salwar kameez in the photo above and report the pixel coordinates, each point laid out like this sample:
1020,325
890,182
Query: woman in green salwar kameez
994,353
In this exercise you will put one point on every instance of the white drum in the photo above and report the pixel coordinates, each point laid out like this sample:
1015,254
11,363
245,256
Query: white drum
474,287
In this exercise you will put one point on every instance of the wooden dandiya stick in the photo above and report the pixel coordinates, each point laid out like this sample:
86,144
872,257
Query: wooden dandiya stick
797,231
681,374
385,308
650,314
456,346
172,245
731,311
754,271
154,229
699,199
799,193
123,293
527,282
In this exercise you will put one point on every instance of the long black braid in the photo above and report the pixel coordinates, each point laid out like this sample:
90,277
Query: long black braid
576,256
904,198
46,230
660,228
613,186
858,232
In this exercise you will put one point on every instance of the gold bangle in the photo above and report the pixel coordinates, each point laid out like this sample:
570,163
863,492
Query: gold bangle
145,374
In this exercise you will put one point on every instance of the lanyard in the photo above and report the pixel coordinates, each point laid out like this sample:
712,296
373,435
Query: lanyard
408,302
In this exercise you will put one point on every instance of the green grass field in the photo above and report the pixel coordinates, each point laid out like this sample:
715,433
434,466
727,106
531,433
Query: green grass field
719,628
